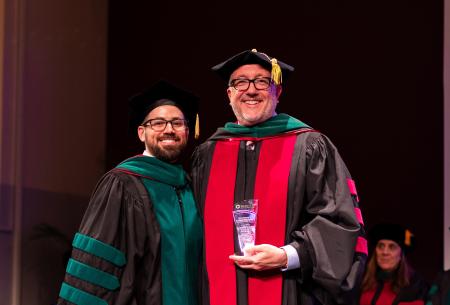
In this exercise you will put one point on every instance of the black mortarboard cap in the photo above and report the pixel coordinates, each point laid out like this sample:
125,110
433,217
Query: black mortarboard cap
144,102
278,69
391,231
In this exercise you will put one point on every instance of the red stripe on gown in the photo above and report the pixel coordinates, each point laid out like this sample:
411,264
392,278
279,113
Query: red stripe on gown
361,245
218,222
352,187
271,186
271,189
359,215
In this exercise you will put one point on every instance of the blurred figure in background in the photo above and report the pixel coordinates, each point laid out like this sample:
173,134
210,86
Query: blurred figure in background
439,293
389,279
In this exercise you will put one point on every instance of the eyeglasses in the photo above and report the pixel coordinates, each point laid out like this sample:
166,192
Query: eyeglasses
161,124
242,84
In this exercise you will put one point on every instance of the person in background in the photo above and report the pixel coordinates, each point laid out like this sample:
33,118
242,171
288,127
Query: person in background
439,293
310,243
389,278
140,240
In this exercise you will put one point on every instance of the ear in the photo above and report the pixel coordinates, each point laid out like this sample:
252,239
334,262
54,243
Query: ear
141,133
279,89
229,92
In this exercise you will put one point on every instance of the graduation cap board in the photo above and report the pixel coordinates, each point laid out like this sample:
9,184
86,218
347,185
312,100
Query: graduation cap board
395,232
277,68
164,93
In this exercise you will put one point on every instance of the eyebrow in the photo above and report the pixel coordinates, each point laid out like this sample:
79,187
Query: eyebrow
256,76
162,118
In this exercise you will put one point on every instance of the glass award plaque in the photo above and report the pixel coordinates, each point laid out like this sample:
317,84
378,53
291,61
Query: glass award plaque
244,215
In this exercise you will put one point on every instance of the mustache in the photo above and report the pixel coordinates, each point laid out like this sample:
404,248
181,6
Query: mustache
169,137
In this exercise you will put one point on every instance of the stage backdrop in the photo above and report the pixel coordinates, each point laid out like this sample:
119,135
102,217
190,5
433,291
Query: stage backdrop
447,134
368,75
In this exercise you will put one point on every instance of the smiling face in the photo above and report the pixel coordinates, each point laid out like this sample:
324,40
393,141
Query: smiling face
253,106
168,144
388,254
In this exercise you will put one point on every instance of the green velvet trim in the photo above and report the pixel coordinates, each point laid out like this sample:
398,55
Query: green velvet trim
181,242
433,290
98,248
275,125
79,297
92,275
180,226
172,174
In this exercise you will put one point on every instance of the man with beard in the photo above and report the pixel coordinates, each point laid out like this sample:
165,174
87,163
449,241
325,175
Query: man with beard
310,246
141,236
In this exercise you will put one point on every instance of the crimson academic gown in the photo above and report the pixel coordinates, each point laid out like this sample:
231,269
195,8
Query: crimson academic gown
413,294
322,218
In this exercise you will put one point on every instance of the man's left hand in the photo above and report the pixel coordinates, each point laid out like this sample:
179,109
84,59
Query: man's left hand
261,257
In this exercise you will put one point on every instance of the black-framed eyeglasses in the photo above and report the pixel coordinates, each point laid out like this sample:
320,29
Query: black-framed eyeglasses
242,84
161,124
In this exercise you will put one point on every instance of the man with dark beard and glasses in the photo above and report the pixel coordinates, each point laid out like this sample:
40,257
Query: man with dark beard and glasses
140,239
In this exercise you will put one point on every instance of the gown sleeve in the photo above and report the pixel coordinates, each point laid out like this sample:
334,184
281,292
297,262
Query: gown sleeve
330,241
114,258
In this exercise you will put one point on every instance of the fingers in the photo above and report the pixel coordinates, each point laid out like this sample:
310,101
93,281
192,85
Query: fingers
261,257
247,262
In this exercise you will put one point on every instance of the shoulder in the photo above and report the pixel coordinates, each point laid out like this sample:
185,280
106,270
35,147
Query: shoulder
206,145
116,181
315,141
118,176
204,149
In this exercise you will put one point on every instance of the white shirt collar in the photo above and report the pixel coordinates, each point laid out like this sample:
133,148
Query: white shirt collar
146,153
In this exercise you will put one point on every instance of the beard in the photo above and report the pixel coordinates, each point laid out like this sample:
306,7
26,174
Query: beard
169,154
250,117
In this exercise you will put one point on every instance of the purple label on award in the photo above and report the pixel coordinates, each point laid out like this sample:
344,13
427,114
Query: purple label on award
244,215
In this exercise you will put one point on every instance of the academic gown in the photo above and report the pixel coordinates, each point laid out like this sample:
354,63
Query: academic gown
322,217
413,294
139,241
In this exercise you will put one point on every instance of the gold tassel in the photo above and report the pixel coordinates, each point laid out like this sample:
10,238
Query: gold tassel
408,236
197,127
276,72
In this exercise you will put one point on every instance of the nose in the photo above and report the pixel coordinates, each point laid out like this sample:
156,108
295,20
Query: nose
252,89
385,251
169,128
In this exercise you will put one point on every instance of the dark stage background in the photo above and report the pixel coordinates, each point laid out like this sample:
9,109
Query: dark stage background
368,75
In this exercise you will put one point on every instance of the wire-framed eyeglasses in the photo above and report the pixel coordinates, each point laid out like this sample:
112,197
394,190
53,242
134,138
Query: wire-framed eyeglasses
161,124
242,84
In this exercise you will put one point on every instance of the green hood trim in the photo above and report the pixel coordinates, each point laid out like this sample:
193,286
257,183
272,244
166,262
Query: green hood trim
153,168
179,222
280,123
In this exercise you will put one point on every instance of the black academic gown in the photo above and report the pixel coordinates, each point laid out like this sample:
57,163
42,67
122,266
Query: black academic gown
120,214
320,219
